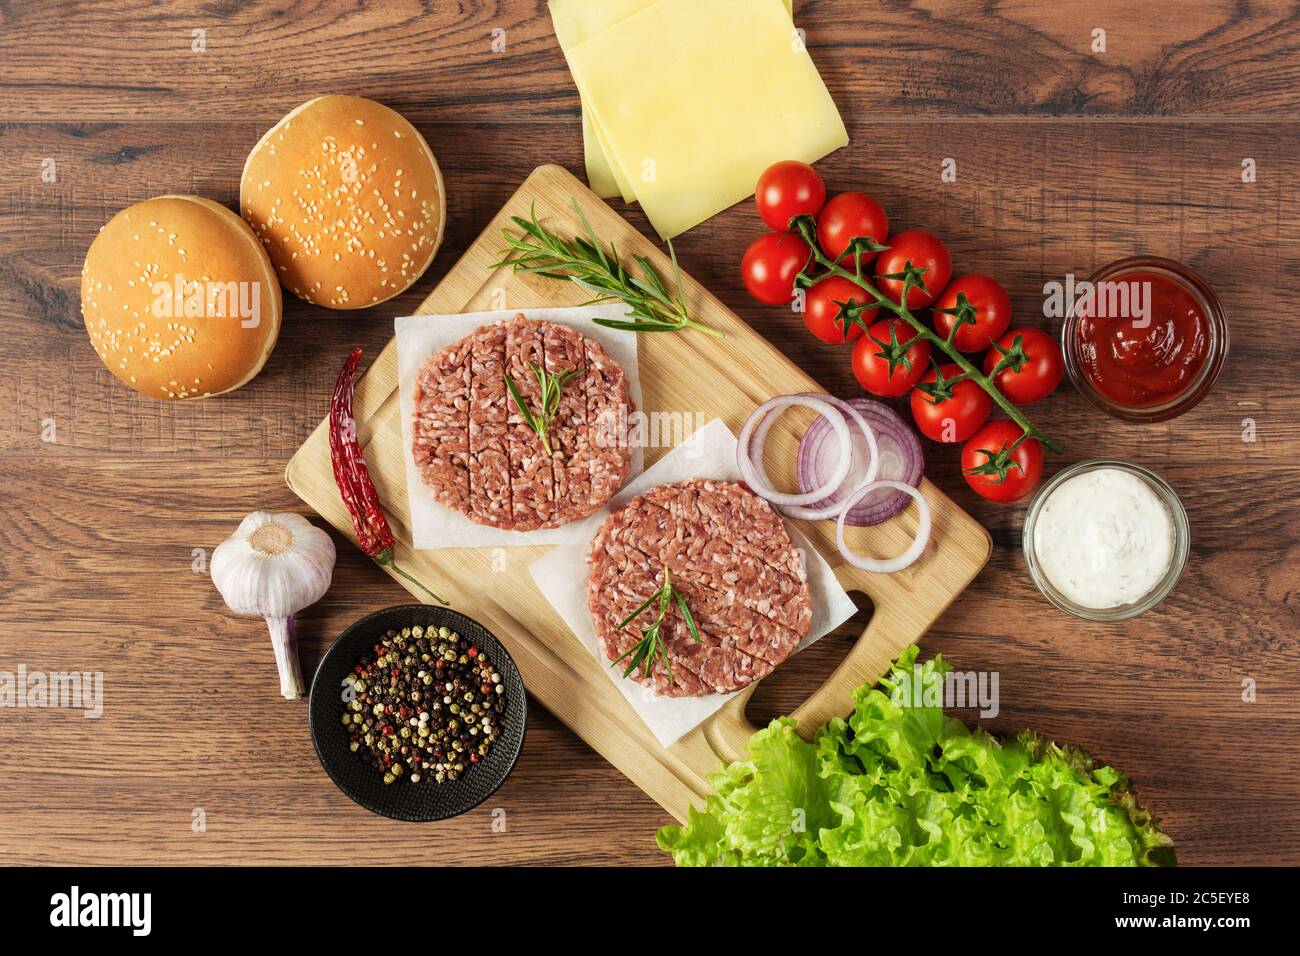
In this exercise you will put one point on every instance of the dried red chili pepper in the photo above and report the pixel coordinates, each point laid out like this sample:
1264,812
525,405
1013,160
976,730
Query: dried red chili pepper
353,478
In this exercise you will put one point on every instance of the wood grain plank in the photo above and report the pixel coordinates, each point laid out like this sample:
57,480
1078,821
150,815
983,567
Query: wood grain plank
191,697
1022,209
1065,160
123,60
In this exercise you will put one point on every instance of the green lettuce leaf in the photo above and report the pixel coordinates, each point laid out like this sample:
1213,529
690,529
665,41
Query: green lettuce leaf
900,784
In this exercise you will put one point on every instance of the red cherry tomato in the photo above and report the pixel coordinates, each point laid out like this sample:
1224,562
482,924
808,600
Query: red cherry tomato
788,189
850,216
923,251
1035,367
1023,466
992,312
871,358
770,264
822,310
955,418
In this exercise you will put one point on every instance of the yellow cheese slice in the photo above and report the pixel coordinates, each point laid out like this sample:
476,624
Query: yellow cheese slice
621,182
575,21
695,98
600,175
578,20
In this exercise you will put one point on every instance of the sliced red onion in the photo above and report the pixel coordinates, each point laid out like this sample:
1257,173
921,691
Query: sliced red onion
898,453
745,456
865,458
885,565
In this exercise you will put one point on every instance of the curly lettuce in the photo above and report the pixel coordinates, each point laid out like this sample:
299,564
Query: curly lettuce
900,784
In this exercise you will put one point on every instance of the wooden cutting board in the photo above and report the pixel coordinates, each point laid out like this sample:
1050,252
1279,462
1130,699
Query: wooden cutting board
723,378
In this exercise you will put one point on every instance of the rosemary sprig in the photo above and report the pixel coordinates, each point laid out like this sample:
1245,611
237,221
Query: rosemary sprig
549,387
650,648
584,261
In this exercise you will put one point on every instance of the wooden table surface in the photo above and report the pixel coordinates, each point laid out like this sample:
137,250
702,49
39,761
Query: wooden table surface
1066,159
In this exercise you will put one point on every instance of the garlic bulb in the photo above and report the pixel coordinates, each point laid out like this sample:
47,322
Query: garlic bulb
274,565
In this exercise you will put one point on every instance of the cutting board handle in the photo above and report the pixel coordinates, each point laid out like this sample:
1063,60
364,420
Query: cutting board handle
882,640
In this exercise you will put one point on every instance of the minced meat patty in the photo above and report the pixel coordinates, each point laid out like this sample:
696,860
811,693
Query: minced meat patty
477,455
730,558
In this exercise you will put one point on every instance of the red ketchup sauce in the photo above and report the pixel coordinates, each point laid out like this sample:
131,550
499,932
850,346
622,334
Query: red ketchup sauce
1136,363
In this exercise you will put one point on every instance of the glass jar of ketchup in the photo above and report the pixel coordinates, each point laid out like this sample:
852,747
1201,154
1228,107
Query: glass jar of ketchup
1146,340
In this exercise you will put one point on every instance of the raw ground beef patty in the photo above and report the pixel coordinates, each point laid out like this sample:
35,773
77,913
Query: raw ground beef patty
729,556
477,455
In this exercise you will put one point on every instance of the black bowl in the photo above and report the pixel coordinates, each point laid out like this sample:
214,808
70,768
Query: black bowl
402,800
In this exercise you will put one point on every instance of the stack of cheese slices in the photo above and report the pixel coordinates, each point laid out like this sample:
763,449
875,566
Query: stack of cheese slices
686,102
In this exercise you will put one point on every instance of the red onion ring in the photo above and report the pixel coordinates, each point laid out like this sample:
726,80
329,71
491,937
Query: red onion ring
899,454
831,506
885,565
759,483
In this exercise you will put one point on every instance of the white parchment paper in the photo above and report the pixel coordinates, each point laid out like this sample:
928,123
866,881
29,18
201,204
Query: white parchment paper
419,338
562,577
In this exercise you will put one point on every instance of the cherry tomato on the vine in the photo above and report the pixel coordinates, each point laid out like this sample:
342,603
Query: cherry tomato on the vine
987,304
994,471
822,312
851,216
956,417
882,366
770,264
1035,366
924,251
788,189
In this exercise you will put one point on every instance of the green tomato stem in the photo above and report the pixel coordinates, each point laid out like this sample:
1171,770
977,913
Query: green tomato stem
901,310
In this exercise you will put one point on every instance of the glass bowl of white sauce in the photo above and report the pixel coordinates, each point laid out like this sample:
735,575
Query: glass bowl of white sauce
1106,539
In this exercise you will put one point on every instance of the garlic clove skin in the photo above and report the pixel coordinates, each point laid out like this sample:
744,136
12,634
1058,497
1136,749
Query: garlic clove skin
274,565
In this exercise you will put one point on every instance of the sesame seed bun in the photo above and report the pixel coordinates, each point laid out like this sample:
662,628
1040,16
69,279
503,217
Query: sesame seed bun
347,198
179,298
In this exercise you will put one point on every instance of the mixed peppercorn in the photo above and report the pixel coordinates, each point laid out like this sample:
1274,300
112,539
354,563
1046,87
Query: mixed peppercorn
425,703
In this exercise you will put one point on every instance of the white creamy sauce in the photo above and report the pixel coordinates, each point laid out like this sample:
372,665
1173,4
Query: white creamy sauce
1104,539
